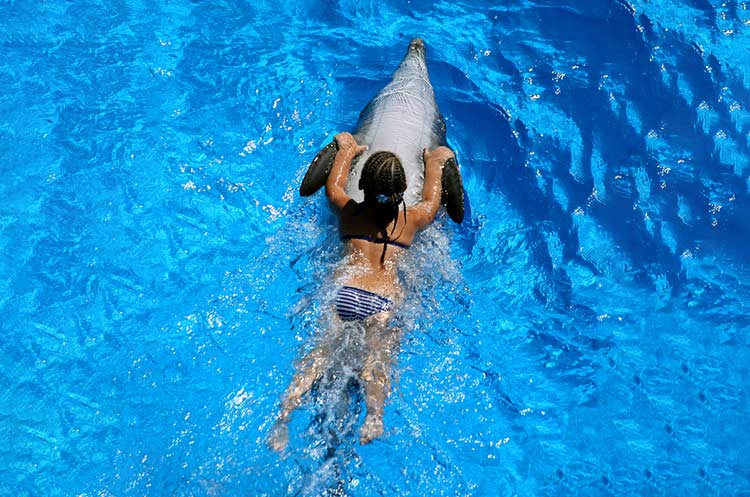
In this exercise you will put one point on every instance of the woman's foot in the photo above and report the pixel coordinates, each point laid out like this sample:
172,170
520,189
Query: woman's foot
371,429
279,438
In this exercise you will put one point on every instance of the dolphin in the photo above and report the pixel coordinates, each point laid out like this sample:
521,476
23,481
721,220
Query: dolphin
404,119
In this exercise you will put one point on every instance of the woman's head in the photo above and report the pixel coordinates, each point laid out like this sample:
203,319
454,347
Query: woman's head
384,182
383,179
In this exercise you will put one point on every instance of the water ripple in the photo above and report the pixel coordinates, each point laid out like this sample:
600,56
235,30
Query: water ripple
160,276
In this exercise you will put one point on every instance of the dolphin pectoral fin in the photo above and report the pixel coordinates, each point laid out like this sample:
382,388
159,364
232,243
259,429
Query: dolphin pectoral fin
320,167
453,191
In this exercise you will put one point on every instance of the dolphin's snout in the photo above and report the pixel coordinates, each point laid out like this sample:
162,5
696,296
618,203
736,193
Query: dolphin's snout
416,49
417,44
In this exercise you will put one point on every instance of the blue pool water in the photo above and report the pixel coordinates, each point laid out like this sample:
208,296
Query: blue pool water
584,332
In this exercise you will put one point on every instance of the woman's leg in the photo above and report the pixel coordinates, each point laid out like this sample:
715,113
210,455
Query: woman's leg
310,369
383,343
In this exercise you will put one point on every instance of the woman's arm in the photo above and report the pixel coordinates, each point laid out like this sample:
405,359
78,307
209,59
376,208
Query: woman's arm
425,211
336,183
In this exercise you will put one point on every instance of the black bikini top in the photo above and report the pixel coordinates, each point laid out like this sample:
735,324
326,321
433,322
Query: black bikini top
373,239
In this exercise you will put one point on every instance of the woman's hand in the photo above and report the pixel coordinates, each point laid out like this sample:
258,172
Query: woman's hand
424,212
348,145
437,156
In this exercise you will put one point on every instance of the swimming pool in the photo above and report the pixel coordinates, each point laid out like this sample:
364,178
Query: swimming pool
584,332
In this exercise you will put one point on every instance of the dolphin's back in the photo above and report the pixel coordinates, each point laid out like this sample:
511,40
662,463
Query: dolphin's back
403,118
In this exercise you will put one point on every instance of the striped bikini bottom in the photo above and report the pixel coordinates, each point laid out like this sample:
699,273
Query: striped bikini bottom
355,304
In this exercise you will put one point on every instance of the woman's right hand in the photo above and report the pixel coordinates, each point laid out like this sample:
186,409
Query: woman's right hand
348,145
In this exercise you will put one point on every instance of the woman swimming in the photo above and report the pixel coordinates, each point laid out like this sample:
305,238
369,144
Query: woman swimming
376,231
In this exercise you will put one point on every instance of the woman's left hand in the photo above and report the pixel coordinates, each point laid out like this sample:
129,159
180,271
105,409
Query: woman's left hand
348,144
437,156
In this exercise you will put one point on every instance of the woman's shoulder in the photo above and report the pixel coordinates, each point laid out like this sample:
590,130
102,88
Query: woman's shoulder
353,206
356,212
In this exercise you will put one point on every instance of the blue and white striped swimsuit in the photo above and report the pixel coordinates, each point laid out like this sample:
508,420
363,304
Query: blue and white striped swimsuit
355,304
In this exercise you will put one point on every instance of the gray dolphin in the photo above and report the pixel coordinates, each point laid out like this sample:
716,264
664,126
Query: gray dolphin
403,118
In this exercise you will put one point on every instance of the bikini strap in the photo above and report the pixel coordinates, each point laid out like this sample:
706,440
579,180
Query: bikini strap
371,239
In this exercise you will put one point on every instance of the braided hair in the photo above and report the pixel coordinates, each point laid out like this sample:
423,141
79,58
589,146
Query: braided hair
383,181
